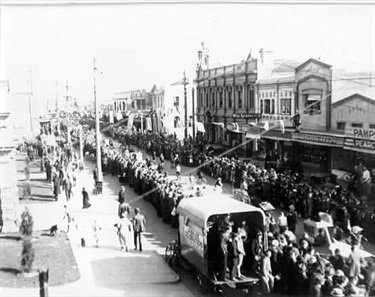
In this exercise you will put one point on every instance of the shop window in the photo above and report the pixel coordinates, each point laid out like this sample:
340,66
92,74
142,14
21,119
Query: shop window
312,102
341,125
230,99
251,97
176,101
296,101
239,99
371,126
285,105
177,123
357,125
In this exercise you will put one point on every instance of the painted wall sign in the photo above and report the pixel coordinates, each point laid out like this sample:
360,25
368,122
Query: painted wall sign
246,115
313,68
360,133
360,143
318,138
194,237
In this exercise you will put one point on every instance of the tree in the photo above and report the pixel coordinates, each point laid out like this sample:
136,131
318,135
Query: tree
27,223
28,255
26,230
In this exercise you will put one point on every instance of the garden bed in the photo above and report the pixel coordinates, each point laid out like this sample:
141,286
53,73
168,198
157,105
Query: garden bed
52,252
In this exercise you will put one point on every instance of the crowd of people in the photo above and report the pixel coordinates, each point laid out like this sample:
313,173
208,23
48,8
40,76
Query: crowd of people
287,265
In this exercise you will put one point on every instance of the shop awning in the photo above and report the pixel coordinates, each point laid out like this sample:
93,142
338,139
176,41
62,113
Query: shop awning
360,150
237,131
200,127
252,136
218,124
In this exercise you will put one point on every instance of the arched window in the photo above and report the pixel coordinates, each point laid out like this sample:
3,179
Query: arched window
230,98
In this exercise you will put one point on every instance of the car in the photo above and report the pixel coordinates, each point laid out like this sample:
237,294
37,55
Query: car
325,229
324,179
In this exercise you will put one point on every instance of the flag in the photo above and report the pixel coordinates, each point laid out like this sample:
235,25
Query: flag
148,124
281,124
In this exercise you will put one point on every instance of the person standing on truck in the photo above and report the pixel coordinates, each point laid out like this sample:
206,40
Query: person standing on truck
223,253
240,250
232,255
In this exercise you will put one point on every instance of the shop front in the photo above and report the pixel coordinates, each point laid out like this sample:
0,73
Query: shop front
314,151
306,152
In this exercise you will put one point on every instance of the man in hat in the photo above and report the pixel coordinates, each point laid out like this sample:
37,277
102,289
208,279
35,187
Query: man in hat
85,199
124,229
232,255
355,260
121,195
139,223
292,219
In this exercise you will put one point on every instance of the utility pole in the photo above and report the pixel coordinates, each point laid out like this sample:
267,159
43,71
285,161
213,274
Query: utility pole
68,112
30,110
57,97
57,107
186,107
193,112
67,94
97,130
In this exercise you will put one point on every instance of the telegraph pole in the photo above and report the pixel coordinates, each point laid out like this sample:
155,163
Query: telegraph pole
57,97
185,104
30,110
193,113
67,109
97,130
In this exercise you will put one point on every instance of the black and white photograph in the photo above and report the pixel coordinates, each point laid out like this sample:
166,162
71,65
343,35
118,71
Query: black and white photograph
187,148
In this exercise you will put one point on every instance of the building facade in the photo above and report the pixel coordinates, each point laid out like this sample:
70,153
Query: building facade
157,100
307,96
354,118
177,110
122,101
226,102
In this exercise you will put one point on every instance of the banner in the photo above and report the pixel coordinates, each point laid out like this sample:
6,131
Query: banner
111,120
131,121
119,116
148,124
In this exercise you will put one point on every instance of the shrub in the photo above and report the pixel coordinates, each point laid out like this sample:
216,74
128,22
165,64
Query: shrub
27,223
28,254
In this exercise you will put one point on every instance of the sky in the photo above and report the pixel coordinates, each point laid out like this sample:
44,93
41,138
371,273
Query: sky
137,46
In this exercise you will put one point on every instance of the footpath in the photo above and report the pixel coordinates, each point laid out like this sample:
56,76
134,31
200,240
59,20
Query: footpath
104,270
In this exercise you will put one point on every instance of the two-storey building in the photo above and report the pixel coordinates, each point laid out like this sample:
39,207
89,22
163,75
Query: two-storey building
226,103
157,107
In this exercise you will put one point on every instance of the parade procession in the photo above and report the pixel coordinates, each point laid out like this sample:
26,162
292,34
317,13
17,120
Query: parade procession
144,155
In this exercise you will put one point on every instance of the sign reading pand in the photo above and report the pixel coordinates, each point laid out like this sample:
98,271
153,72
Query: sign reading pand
360,133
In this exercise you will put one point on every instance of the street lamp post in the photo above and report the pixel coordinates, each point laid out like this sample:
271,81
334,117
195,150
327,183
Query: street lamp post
185,104
193,112
97,130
